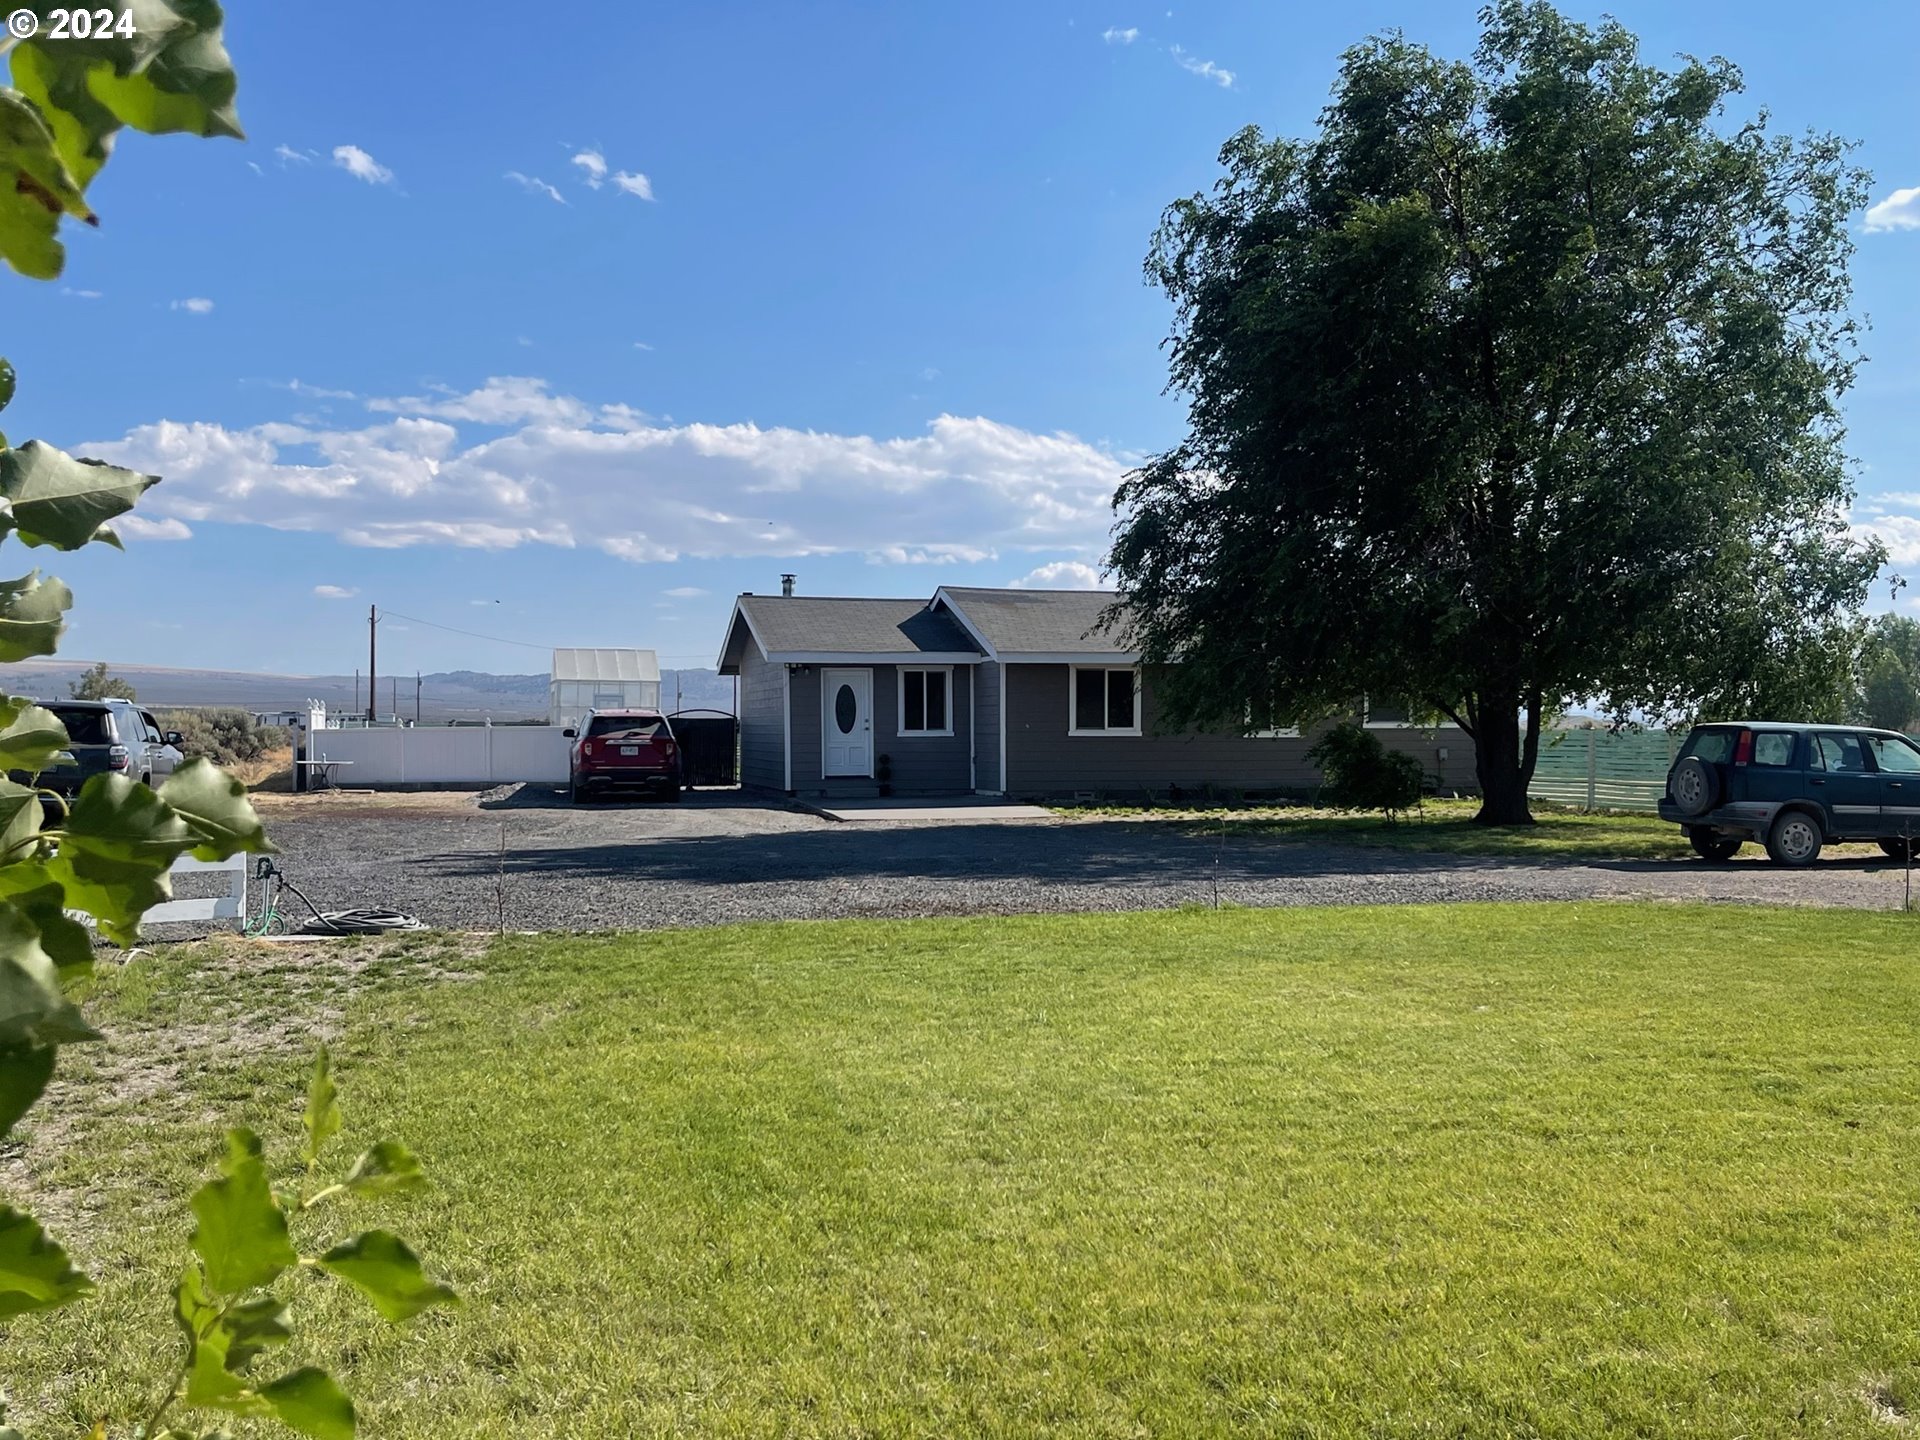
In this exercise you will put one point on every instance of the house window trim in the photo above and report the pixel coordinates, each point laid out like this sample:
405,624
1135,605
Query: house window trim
1073,700
900,702
1368,722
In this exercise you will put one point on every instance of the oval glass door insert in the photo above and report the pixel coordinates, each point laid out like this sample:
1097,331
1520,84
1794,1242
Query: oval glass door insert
844,709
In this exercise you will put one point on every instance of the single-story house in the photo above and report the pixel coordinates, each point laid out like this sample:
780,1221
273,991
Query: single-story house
989,692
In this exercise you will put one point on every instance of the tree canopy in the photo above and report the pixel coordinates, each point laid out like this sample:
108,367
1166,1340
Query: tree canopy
1515,384
96,682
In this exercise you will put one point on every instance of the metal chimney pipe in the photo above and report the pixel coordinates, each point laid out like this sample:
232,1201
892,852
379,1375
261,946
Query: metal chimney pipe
786,586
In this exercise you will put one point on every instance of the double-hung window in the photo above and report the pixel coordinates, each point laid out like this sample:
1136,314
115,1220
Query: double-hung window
926,701
1105,700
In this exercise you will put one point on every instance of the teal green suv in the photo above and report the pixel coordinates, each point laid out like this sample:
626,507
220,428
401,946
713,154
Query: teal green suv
1794,789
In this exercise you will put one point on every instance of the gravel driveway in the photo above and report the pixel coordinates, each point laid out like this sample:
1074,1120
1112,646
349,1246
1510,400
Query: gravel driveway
718,859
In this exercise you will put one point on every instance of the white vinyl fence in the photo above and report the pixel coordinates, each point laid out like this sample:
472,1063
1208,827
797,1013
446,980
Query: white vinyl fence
462,755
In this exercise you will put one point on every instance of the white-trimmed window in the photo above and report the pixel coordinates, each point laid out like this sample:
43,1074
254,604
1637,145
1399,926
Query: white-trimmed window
1104,700
926,700
1386,717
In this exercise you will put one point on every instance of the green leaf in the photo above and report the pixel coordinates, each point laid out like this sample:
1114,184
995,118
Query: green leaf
389,1168
216,809
61,501
36,189
240,1233
172,74
32,610
20,814
67,942
381,1266
35,1273
24,1072
323,1107
118,842
8,380
312,1402
30,735
33,1009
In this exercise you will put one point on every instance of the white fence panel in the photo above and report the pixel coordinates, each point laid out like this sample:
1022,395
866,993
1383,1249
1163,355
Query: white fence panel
463,755
230,906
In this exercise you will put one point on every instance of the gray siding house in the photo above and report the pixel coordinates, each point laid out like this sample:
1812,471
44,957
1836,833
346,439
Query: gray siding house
989,692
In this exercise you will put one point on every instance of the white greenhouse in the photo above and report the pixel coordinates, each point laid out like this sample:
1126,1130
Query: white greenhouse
586,680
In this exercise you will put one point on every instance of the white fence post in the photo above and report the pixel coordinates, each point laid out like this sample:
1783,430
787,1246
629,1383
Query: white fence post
1591,793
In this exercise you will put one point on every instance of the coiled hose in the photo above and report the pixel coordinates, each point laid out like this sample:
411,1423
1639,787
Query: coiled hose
366,920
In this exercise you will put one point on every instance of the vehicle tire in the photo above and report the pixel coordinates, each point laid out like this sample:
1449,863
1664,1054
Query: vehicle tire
1795,839
1709,846
673,795
1695,786
578,792
1896,849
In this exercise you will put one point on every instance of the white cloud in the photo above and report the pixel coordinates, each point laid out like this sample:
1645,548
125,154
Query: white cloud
641,345
139,527
196,305
1899,211
362,166
567,474
503,400
534,185
1205,69
81,294
316,392
684,592
1120,37
334,592
1061,575
287,155
595,165
633,183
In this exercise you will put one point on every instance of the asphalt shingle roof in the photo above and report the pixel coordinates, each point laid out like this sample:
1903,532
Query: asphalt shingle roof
839,626
1039,622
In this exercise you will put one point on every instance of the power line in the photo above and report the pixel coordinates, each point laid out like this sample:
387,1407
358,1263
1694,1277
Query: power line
470,634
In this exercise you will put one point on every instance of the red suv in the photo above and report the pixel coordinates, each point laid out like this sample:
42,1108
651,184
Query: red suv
624,750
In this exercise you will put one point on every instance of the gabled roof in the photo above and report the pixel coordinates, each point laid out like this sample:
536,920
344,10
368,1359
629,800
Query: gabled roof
612,666
1022,623
815,629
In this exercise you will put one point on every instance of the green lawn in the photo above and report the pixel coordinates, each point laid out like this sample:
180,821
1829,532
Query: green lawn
1455,1171
1442,826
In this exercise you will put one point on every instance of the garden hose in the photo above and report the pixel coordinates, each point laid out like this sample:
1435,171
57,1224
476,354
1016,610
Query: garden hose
366,920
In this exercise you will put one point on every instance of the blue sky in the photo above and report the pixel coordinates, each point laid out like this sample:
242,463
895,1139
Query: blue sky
568,333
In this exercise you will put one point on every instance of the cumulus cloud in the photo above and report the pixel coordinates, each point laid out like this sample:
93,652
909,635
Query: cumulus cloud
1115,36
362,166
564,473
195,305
1889,518
139,527
1899,211
1205,69
1061,575
534,185
632,183
334,592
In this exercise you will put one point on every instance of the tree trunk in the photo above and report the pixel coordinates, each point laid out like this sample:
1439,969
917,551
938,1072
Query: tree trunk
1503,760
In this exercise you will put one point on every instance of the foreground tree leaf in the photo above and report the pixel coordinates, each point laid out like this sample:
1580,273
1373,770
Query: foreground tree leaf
61,501
25,1069
311,1401
66,941
20,814
383,1268
322,1118
240,1233
118,842
388,1168
30,735
35,1273
215,807
32,613
37,189
33,1008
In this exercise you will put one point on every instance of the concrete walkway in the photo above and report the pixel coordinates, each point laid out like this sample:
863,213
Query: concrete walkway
948,812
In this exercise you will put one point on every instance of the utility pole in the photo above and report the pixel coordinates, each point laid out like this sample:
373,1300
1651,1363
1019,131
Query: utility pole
356,692
416,699
373,619
396,699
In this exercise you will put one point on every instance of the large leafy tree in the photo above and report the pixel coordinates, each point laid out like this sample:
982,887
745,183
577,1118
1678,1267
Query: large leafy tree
1515,384
1889,674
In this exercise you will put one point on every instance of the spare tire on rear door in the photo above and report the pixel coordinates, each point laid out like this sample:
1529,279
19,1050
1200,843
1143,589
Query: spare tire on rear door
1695,785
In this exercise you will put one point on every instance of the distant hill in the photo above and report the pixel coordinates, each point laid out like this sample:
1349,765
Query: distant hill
444,695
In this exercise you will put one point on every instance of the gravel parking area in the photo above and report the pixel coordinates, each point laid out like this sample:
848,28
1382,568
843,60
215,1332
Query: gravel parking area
530,860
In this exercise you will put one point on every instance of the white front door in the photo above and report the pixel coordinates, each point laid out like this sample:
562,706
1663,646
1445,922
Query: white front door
846,722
